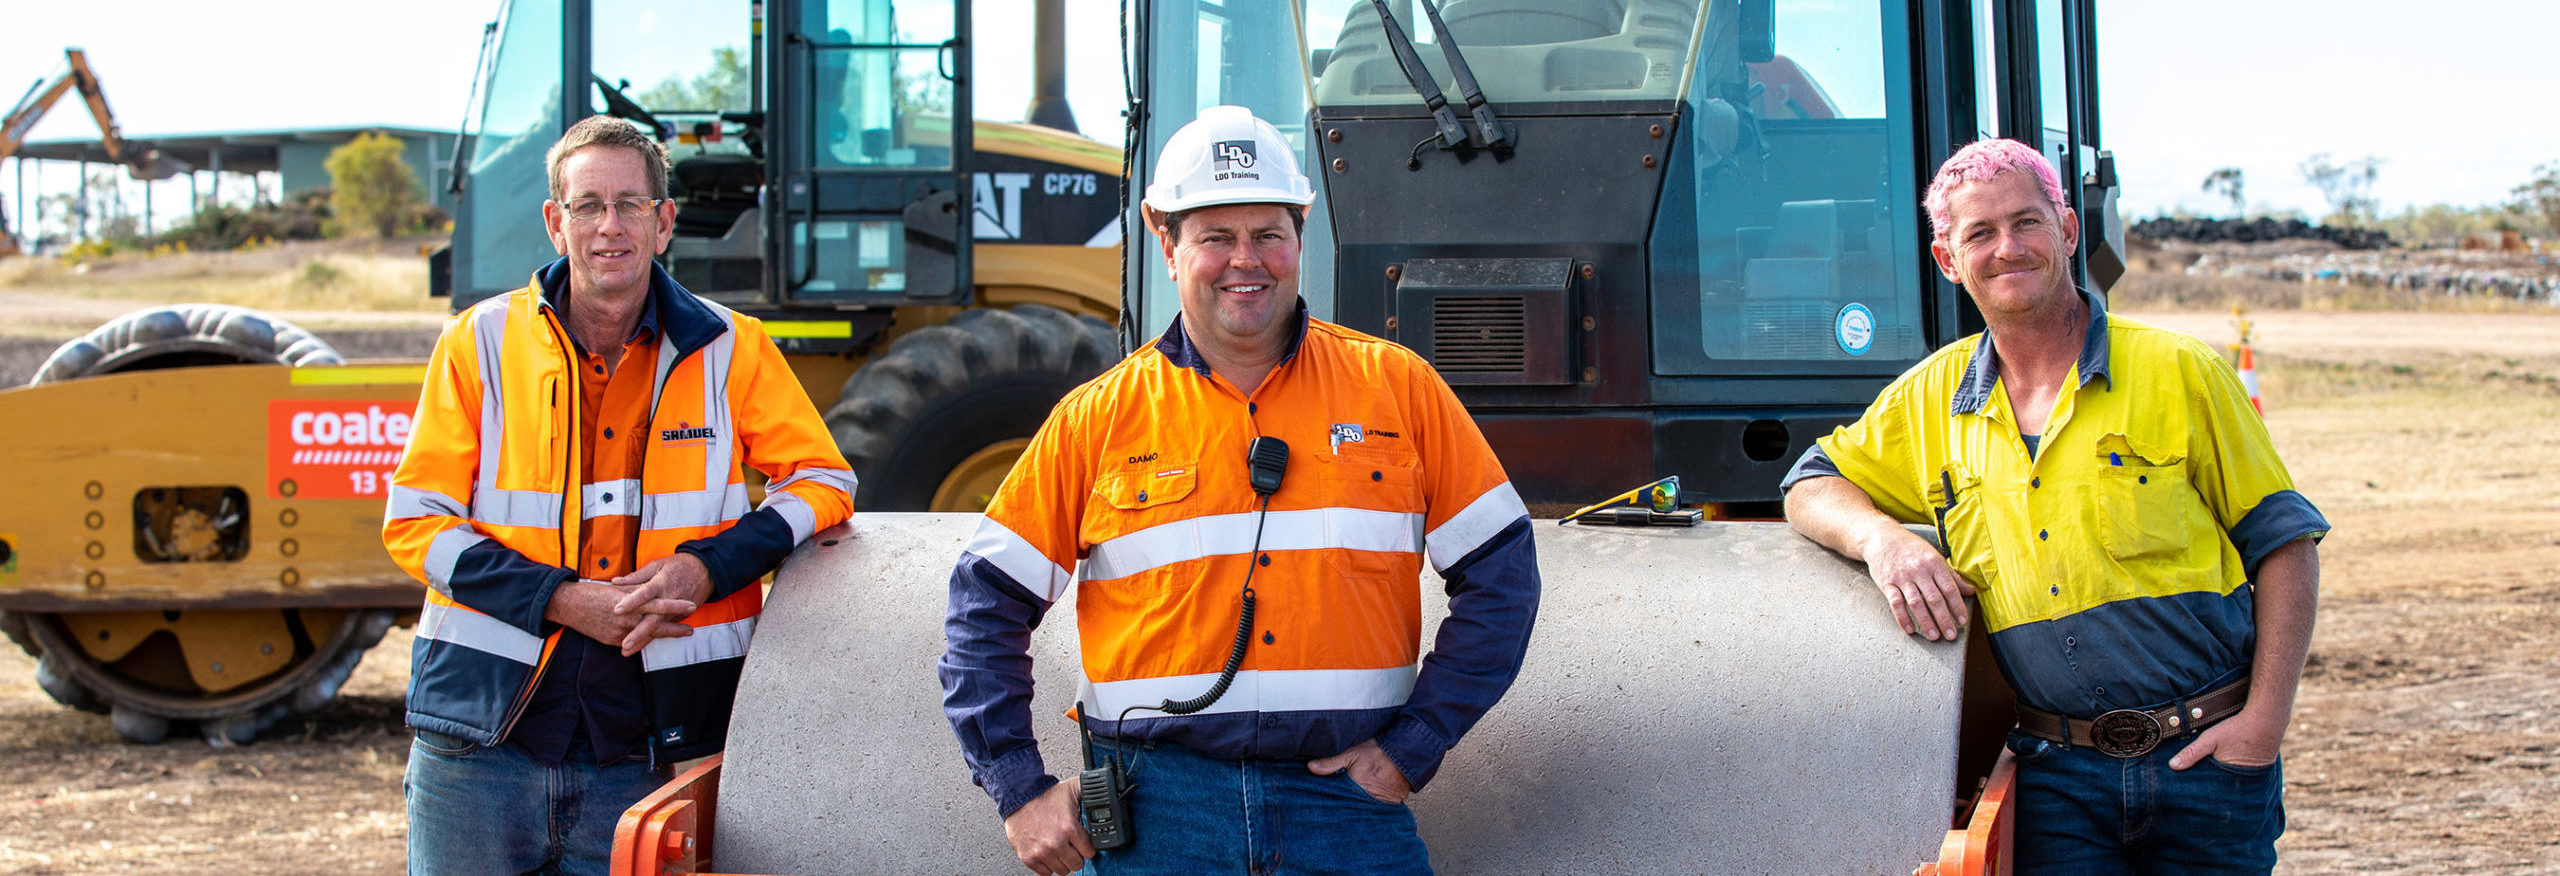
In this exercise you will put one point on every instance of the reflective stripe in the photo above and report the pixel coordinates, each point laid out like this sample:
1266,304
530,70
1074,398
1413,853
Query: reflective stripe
610,498
1470,529
719,461
1262,690
527,508
1014,556
1154,547
692,508
406,502
478,632
795,511
489,332
839,478
709,642
444,551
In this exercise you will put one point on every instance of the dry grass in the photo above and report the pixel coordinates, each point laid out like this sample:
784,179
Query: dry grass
2146,290
360,276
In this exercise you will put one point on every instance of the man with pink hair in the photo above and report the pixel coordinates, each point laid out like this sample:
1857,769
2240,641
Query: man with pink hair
2144,568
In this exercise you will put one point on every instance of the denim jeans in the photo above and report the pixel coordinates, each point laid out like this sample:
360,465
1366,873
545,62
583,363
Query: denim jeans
1192,813
491,809
2083,812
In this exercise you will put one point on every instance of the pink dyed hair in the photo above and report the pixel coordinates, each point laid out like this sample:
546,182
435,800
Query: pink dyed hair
1982,160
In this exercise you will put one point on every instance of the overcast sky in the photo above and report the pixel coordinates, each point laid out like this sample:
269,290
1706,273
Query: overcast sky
2454,96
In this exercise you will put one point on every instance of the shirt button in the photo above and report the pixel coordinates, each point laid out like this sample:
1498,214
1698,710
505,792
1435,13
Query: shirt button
2040,535
599,369
2055,589
1266,559
2070,641
1267,638
1377,476
1251,408
1270,720
2033,483
2141,479
608,497
604,563
2102,690
608,431
1142,495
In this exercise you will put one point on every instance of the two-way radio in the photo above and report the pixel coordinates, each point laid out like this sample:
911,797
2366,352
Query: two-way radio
1104,786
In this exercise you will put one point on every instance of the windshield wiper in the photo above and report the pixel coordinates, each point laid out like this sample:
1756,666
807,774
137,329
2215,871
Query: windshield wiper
1451,134
1493,132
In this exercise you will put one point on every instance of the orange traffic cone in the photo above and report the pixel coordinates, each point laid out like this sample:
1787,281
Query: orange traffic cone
2249,379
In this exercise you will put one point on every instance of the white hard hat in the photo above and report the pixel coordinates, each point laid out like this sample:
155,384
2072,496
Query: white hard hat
1226,156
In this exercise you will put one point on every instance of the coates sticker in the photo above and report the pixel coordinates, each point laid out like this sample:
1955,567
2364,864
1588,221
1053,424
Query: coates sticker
1855,329
334,449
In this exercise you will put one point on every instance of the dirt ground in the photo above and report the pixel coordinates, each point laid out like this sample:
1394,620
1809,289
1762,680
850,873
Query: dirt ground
2427,738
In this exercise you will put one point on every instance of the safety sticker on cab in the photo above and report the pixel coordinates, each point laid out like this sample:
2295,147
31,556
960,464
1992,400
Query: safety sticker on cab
334,449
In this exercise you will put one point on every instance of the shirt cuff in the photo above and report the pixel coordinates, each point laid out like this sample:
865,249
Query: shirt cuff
1414,749
1015,779
1813,464
2278,519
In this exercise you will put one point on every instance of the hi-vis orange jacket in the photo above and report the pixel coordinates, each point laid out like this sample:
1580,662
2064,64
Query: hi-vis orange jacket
1138,484
487,505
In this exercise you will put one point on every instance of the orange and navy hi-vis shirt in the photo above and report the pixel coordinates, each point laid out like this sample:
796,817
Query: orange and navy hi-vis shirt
1138,485
591,686
494,502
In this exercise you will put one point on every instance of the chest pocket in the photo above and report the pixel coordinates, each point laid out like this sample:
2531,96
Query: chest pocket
2144,504
1376,478
1144,496
1965,530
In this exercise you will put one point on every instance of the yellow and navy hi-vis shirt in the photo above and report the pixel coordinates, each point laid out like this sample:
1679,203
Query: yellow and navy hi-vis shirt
2112,561
1138,484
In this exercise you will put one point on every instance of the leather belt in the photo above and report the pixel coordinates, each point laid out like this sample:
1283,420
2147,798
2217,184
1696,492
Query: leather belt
2135,732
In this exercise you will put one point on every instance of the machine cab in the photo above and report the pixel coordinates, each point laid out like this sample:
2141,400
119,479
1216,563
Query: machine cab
817,165
1641,238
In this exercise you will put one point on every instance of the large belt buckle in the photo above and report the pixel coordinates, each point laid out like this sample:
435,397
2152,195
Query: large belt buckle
2125,733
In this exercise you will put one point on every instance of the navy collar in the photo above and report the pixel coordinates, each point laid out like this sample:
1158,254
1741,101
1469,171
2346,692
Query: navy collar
1983,370
675,314
1176,345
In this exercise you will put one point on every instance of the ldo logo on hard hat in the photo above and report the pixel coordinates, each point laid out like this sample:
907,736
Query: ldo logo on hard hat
1232,159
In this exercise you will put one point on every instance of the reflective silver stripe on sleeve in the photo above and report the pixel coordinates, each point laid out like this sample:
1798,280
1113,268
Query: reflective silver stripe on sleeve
1483,519
407,502
1357,529
611,498
839,478
478,632
1264,690
795,511
530,508
709,642
1015,556
693,507
444,551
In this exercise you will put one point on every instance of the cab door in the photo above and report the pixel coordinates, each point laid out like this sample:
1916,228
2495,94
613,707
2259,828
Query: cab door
2040,88
870,149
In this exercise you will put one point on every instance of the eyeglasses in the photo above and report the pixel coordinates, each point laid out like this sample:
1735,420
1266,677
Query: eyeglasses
589,211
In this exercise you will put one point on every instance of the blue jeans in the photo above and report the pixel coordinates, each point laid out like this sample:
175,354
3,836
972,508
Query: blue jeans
1193,813
2083,812
491,809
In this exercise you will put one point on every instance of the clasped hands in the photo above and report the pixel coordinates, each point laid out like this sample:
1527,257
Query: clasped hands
648,604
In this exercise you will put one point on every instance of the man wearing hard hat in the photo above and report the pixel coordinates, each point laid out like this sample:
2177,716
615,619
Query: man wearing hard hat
1246,504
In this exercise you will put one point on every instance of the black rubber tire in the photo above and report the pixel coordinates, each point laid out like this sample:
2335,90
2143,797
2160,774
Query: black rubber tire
944,392
15,627
182,335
